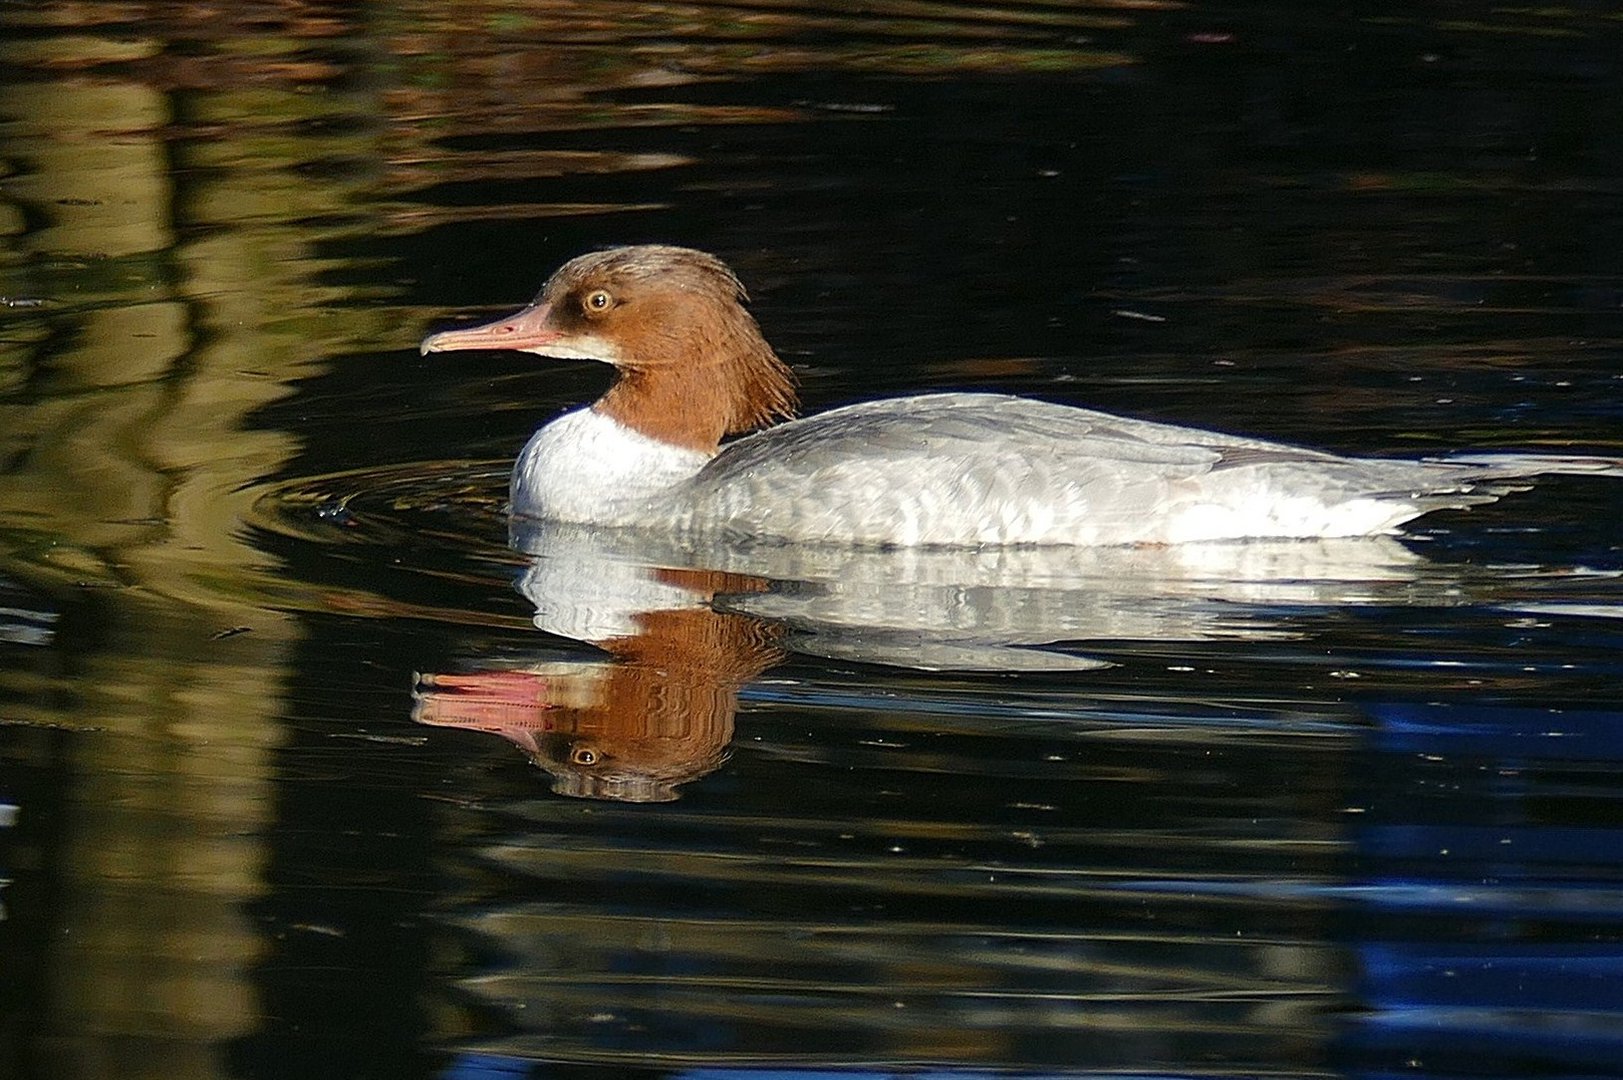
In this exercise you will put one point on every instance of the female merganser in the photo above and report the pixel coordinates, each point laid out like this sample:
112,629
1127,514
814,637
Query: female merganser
936,469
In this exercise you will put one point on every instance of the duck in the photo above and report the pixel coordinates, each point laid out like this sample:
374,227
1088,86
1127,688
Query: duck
698,437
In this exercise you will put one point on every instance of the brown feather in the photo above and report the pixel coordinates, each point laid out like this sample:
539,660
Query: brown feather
693,365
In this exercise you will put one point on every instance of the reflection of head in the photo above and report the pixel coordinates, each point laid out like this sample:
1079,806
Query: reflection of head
639,747
632,729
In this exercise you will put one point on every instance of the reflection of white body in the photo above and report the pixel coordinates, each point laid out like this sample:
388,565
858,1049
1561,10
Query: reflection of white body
937,469
582,594
963,609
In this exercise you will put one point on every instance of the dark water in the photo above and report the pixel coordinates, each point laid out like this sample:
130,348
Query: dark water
282,703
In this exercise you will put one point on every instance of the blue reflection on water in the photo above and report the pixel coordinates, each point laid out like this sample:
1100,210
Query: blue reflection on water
1490,853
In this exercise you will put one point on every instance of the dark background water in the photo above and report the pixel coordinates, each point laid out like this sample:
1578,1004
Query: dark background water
1342,814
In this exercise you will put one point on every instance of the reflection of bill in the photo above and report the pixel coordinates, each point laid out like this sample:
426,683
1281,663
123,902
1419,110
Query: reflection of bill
658,714
681,642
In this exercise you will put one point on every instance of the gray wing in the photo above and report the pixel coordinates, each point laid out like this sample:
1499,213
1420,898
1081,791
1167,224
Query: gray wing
962,468
977,424
975,469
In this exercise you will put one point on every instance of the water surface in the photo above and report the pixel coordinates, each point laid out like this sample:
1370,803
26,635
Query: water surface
311,765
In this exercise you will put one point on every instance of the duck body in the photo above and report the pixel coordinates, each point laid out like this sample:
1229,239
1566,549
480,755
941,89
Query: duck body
976,469
947,469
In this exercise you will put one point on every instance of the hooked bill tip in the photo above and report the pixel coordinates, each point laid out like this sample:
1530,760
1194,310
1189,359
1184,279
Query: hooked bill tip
434,342
520,331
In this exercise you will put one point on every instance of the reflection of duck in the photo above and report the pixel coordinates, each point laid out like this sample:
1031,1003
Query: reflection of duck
658,715
686,626
943,469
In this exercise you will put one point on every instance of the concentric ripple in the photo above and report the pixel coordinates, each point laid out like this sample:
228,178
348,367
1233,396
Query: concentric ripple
428,539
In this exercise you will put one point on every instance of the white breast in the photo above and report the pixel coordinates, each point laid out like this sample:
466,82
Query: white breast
585,466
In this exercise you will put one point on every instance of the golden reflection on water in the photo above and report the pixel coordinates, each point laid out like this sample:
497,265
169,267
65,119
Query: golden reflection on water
178,293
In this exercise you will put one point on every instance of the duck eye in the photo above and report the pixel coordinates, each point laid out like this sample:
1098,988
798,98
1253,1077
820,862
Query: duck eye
599,300
585,755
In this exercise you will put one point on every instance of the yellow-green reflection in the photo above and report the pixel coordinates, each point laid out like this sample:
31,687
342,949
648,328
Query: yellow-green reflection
167,292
